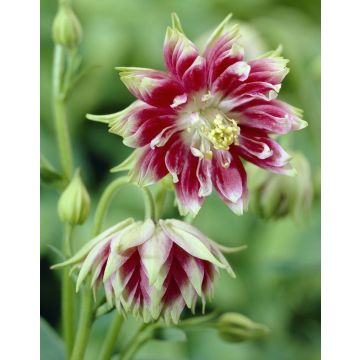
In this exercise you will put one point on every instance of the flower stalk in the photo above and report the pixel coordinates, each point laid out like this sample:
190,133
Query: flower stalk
141,337
84,327
111,337
59,103
67,294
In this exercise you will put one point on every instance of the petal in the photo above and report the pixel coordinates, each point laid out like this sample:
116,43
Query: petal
231,78
139,123
247,92
151,131
188,242
271,69
154,253
187,188
272,116
195,77
92,260
149,165
175,158
136,235
258,148
223,49
179,52
85,250
203,173
230,182
154,87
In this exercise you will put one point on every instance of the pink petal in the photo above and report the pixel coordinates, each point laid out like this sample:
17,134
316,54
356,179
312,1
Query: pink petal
223,52
231,78
139,112
187,189
151,86
195,77
271,70
175,158
272,116
179,52
150,166
203,173
149,130
230,181
256,147
247,92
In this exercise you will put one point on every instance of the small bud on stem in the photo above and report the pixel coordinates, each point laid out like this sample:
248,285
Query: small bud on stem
66,27
74,202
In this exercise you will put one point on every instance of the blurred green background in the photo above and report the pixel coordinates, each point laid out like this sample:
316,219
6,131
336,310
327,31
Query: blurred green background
278,277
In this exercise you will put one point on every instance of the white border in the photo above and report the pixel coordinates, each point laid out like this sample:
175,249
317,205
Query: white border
340,180
19,194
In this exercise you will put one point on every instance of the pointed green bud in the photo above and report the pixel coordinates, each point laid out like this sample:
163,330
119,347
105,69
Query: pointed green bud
74,202
235,327
276,196
66,26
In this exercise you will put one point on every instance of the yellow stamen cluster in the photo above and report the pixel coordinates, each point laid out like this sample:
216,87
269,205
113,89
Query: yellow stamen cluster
224,132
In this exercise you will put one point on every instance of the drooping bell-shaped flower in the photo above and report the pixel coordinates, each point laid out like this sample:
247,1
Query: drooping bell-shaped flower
197,120
151,269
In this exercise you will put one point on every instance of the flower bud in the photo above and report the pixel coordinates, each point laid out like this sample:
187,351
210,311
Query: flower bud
74,202
66,27
235,327
276,196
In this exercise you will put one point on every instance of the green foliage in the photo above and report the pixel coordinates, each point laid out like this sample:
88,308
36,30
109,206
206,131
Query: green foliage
52,347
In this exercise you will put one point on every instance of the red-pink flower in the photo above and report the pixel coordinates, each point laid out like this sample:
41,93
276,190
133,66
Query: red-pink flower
198,120
151,269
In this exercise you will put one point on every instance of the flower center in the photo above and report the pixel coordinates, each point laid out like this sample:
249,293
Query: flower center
207,127
223,132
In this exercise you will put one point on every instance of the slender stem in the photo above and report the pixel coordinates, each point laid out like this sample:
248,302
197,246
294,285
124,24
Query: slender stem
111,337
149,203
141,337
68,77
85,321
160,198
68,295
104,202
59,103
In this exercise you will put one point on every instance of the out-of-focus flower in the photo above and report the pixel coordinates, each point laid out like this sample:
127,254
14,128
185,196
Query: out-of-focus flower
152,270
74,202
66,27
276,196
235,327
196,121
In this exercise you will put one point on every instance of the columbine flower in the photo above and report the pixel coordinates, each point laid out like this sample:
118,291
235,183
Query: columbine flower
196,121
150,269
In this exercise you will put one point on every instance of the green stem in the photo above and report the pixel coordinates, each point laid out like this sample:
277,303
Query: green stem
111,337
68,296
141,337
104,202
160,198
59,103
149,203
85,321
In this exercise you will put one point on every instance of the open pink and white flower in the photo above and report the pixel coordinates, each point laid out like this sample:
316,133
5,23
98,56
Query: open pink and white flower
198,120
152,270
